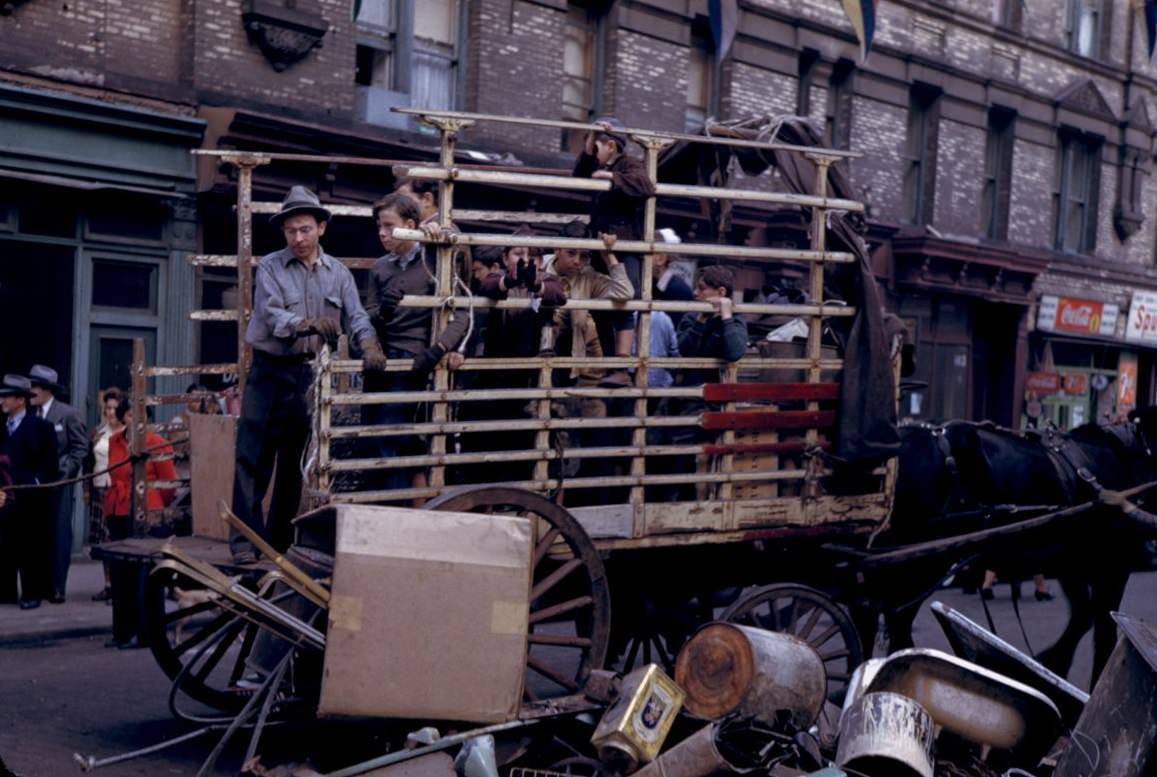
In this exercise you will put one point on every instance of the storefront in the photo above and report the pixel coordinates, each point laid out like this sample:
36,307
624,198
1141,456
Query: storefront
1080,368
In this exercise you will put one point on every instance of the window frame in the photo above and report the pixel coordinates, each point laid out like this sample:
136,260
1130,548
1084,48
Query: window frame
921,147
1076,147
595,48
840,101
998,157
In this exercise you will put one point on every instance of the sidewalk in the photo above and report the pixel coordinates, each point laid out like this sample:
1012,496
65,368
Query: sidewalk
79,616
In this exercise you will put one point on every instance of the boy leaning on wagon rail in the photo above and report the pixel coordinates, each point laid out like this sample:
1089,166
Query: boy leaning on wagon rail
302,298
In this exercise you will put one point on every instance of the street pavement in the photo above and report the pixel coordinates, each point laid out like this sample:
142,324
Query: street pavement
63,692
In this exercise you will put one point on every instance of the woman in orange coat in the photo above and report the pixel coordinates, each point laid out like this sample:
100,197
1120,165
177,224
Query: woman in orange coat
128,578
118,498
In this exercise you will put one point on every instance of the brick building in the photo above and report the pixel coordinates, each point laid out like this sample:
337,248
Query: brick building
1007,151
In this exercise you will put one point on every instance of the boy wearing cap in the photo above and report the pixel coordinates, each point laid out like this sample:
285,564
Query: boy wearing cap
29,444
302,298
619,211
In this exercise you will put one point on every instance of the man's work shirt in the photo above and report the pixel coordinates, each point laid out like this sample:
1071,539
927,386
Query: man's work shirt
591,284
286,292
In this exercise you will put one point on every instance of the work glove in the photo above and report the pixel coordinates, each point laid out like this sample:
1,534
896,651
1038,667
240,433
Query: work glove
373,357
428,359
326,327
528,276
388,302
552,295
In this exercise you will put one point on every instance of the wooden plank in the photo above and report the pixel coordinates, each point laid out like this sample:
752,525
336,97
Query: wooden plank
753,448
784,419
772,392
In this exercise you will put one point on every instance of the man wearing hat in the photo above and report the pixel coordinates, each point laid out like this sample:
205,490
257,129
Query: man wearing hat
29,444
72,448
303,297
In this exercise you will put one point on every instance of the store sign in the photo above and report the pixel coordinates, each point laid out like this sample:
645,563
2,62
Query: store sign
1075,382
1126,383
1043,382
1077,316
1141,326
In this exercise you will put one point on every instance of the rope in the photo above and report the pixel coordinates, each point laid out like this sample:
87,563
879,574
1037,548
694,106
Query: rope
91,475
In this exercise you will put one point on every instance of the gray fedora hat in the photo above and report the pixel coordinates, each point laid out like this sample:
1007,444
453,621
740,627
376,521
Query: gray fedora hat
15,386
41,375
300,201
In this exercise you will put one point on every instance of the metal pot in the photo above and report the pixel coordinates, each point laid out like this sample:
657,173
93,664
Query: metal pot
886,734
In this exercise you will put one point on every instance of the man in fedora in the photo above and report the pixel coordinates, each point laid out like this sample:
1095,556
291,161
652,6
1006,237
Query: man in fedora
72,448
302,298
29,444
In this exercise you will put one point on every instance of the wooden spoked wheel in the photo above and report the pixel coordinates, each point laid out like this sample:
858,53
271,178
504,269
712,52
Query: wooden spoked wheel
570,608
200,643
811,615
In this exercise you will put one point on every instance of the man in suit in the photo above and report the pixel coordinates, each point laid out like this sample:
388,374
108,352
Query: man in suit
29,444
72,447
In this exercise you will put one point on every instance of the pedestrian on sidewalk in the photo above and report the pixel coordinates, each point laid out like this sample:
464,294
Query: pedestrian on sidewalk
72,448
97,486
303,297
29,444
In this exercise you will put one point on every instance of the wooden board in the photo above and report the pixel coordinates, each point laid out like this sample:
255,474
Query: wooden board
771,392
211,456
782,419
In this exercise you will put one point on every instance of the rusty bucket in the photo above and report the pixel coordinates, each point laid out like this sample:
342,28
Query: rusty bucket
764,675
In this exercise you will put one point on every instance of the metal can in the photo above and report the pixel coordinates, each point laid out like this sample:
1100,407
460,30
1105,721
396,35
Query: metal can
633,729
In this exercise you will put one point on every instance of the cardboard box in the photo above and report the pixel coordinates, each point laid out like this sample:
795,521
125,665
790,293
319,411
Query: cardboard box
428,615
211,455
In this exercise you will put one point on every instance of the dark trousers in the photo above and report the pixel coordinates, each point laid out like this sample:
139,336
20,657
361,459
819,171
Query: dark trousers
394,414
62,501
273,430
26,548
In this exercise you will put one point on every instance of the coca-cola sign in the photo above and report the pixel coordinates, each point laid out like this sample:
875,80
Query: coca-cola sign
1077,316
1141,326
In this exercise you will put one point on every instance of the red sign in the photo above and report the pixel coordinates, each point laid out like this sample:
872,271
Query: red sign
1126,383
1082,316
1043,382
1076,383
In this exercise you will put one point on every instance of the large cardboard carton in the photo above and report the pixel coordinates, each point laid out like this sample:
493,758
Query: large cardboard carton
211,449
428,615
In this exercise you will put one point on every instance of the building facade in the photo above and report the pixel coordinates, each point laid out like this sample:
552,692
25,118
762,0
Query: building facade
1007,150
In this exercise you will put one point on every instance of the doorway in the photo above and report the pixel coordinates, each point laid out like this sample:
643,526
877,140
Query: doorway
36,300
110,361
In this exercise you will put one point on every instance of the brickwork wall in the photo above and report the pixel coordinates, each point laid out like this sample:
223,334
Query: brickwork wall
758,92
515,66
231,70
650,85
1030,218
116,44
878,132
959,186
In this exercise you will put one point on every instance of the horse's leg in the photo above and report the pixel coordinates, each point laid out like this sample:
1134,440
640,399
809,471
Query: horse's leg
1059,656
899,626
1108,590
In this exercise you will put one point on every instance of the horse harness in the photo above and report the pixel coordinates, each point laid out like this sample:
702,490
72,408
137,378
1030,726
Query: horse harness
1072,465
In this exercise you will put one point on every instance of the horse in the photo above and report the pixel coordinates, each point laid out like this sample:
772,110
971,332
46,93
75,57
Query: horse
953,477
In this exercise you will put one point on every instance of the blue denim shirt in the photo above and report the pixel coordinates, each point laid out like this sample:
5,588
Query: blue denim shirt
285,291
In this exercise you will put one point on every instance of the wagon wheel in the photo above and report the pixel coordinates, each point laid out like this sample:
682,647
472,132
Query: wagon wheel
180,635
655,630
811,615
570,608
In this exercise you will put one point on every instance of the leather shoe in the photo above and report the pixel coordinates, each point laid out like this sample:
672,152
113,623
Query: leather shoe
1043,596
987,594
129,644
29,604
57,598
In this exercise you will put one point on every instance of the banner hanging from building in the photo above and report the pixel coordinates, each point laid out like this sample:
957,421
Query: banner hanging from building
862,15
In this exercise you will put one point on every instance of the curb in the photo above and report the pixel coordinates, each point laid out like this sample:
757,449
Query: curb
22,638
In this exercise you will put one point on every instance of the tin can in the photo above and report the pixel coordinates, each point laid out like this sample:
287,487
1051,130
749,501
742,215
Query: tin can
633,729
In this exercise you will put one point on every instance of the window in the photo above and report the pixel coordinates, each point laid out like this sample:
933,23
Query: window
997,174
1083,27
922,143
1079,173
124,285
1007,14
839,109
808,59
700,74
582,66
410,49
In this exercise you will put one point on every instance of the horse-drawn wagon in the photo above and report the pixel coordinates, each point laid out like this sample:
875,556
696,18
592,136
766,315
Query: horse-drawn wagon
653,508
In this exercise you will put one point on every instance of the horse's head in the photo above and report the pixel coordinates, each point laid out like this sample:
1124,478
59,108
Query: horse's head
1144,423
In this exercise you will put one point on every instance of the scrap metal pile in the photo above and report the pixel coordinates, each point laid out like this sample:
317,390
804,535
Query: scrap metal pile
365,636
